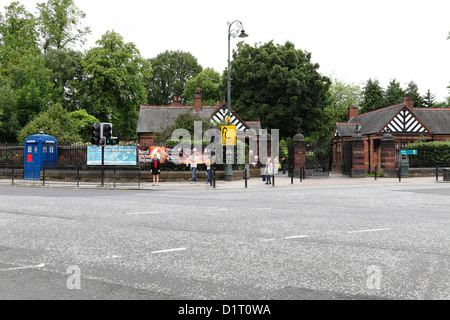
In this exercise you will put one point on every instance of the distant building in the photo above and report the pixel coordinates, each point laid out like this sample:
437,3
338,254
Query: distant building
405,123
154,119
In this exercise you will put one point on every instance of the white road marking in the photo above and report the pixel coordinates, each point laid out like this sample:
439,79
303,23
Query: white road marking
369,230
26,267
296,237
267,240
169,250
139,213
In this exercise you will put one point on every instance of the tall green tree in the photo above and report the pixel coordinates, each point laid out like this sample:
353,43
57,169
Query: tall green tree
9,122
429,99
413,90
113,88
60,24
394,94
373,96
171,70
66,72
18,34
57,122
32,86
209,83
279,85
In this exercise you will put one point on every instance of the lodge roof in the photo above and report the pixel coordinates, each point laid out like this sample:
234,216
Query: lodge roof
438,120
401,118
157,118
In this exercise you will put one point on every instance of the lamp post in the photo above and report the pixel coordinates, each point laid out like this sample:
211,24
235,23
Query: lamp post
238,31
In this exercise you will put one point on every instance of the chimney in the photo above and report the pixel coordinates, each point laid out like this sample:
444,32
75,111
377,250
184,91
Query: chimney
409,101
352,112
177,102
198,100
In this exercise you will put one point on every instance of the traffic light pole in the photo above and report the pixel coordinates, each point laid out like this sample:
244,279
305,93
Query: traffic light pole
103,165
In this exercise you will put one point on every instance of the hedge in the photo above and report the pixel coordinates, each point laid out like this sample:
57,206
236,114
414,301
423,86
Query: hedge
430,154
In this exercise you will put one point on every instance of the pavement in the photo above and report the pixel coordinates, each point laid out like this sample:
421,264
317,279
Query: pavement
281,181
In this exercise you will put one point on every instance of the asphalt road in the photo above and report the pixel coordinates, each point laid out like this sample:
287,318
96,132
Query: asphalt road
387,241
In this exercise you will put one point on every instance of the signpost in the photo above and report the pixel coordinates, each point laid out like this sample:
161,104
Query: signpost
228,135
409,152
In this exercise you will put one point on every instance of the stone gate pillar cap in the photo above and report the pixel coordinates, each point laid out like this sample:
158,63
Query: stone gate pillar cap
299,137
388,136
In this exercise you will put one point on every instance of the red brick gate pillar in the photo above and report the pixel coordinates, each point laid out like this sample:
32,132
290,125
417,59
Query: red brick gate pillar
299,153
358,170
388,156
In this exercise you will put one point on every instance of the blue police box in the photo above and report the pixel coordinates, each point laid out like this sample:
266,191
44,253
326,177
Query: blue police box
40,150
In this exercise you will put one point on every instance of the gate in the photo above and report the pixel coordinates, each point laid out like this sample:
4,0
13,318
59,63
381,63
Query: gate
318,160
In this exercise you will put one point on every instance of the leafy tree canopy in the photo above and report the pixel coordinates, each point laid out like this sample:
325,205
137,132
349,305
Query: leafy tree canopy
60,24
209,83
113,88
56,121
171,70
373,96
279,85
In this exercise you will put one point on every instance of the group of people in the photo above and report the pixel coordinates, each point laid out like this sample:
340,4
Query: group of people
192,161
272,168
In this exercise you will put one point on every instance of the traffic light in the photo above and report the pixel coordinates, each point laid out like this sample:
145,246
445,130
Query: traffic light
107,132
113,141
96,134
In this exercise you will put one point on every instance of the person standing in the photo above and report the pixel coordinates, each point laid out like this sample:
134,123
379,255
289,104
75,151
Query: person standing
208,169
156,169
284,164
192,161
276,164
269,170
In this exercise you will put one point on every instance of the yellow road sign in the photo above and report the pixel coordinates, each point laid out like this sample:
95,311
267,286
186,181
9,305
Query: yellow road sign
228,135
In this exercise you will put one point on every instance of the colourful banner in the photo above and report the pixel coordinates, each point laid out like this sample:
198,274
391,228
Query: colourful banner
114,156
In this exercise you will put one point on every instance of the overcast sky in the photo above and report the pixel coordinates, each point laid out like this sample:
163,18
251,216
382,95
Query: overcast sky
352,40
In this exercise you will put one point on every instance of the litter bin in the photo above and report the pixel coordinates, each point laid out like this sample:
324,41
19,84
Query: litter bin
40,150
404,167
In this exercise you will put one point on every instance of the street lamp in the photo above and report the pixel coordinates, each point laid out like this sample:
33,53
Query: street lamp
237,32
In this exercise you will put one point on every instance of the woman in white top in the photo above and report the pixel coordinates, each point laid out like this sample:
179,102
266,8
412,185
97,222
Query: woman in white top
192,160
269,170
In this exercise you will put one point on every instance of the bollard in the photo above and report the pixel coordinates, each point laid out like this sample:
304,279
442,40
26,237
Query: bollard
301,174
139,178
292,177
214,177
437,174
78,177
399,176
245,178
273,180
375,172
12,178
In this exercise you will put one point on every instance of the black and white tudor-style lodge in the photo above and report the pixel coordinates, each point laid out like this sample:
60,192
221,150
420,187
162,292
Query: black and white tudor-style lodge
154,119
404,122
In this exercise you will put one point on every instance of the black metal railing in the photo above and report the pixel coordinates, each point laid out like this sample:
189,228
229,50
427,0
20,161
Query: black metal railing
113,176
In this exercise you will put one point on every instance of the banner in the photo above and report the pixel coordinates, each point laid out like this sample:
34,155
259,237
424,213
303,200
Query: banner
114,156
166,155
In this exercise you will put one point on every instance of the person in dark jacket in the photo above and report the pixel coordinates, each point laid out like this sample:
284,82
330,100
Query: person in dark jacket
284,164
155,165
